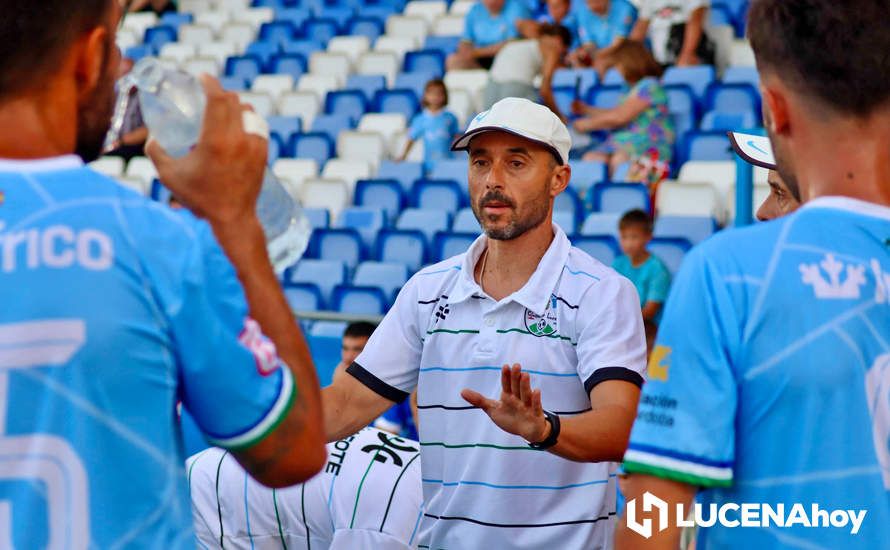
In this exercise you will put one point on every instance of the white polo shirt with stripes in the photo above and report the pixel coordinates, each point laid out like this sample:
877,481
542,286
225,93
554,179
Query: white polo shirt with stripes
576,323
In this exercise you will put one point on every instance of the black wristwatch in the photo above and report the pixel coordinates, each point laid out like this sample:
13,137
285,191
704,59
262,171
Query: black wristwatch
554,433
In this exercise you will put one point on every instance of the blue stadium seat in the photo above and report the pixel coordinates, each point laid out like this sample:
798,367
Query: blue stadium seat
703,145
366,221
406,173
344,245
566,220
445,44
388,277
397,101
437,194
319,218
174,19
720,14
329,329
605,97
582,80
157,37
564,96
313,145
613,77
303,297
138,52
619,197
734,98
415,81
264,51
451,169
369,84
447,245
331,125
340,14
296,16
385,194
359,300
292,64
569,201
233,83
276,4
683,106
430,61
278,32
721,120
601,223
698,78
322,274
403,246
302,47
277,149
371,27
601,247
587,173
621,171
693,228
428,222
349,103
247,67
742,75
285,127
465,222
382,9
670,250
320,30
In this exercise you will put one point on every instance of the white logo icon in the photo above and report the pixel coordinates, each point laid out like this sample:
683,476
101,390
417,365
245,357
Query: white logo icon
833,288
882,283
644,527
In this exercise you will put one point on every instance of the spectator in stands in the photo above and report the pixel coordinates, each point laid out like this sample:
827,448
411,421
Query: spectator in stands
757,150
130,138
435,125
520,62
559,12
490,24
645,270
676,30
602,26
641,123
157,6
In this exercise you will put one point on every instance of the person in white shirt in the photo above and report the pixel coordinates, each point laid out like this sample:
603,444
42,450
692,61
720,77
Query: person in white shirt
368,496
676,30
503,473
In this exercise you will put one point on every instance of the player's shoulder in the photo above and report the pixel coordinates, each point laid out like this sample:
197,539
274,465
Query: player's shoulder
586,271
441,272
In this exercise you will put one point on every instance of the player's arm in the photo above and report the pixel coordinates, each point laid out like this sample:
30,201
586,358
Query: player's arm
350,405
692,36
219,180
672,492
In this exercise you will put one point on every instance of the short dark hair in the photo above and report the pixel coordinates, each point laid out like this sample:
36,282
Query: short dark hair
562,32
435,82
359,329
833,52
635,218
35,34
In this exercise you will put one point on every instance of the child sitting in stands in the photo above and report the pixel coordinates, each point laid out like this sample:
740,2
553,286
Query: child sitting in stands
435,125
645,271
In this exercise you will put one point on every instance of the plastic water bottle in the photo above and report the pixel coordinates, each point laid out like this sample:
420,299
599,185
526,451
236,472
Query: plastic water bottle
172,104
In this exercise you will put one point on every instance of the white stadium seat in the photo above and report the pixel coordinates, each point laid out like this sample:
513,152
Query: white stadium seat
112,167
215,20
385,63
273,84
220,51
330,64
195,34
178,52
141,168
741,54
449,25
406,25
687,199
238,34
138,22
720,174
388,125
263,104
233,6
473,81
304,104
399,45
127,38
319,84
367,146
255,16
350,46
460,102
461,7
293,172
333,195
428,9
201,65
194,6
347,170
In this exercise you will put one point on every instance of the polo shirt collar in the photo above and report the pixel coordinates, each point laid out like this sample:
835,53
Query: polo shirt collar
536,293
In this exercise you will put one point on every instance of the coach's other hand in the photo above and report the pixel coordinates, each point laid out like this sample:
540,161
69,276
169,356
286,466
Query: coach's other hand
518,411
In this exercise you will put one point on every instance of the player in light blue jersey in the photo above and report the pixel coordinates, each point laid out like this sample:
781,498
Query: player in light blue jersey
769,388
115,309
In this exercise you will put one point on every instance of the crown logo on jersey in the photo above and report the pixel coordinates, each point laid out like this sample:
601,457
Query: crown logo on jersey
832,288
882,283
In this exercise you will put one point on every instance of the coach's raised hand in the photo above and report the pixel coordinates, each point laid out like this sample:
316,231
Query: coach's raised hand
519,410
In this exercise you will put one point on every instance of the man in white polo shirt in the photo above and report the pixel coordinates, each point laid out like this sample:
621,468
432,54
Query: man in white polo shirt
521,295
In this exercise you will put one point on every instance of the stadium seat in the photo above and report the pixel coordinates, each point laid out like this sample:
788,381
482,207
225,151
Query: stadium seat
445,44
285,126
138,52
320,84
303,297
389,125
564,96
290,64
346,170
429,10
359,300
330,64
323,274
346,103
428,61
436,194
295,15
303,47
565,220
379,63
741,54
452,169
689,199
157,37
398,45
582,80
368,84
403,246
220,51
461,7
112,167
319,218
447,245
406,173
414,81
585,174
367,146
397,101
197,66
276,150
233,83
174,19
701,145
619,197
569,201
726,122
213,19
605,97
278,32
196,34
320,30
734,98
304,105
142,169
670,250
263,104
742,75
353,47
177,52
449,25
339,14
247,67
683,106
264,51
601,223
273,84
293,172
343,245
313,145
334,195
465,222
698,78
461,104
239,34
370,27
600,247
428,222
405,25
139,22
613,77
385,194
720,174
328,329
473,81
695,229
388,277
366,221
719,14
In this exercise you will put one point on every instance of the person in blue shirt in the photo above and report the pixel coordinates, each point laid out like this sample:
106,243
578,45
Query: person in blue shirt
645,270
435,125
489,25
117,309
602,25
770,380
559,12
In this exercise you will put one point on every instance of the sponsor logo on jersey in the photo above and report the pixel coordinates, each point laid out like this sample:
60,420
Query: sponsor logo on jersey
543,325
55,247
843,282
659,363
262,349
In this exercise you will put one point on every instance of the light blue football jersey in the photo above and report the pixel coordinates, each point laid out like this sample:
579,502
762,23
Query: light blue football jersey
115,309
770,381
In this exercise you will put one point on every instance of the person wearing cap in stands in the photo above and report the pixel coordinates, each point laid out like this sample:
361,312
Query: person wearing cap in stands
758,150
504,464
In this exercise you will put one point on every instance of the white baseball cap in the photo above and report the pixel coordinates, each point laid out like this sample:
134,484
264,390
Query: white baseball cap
757,150
522,118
